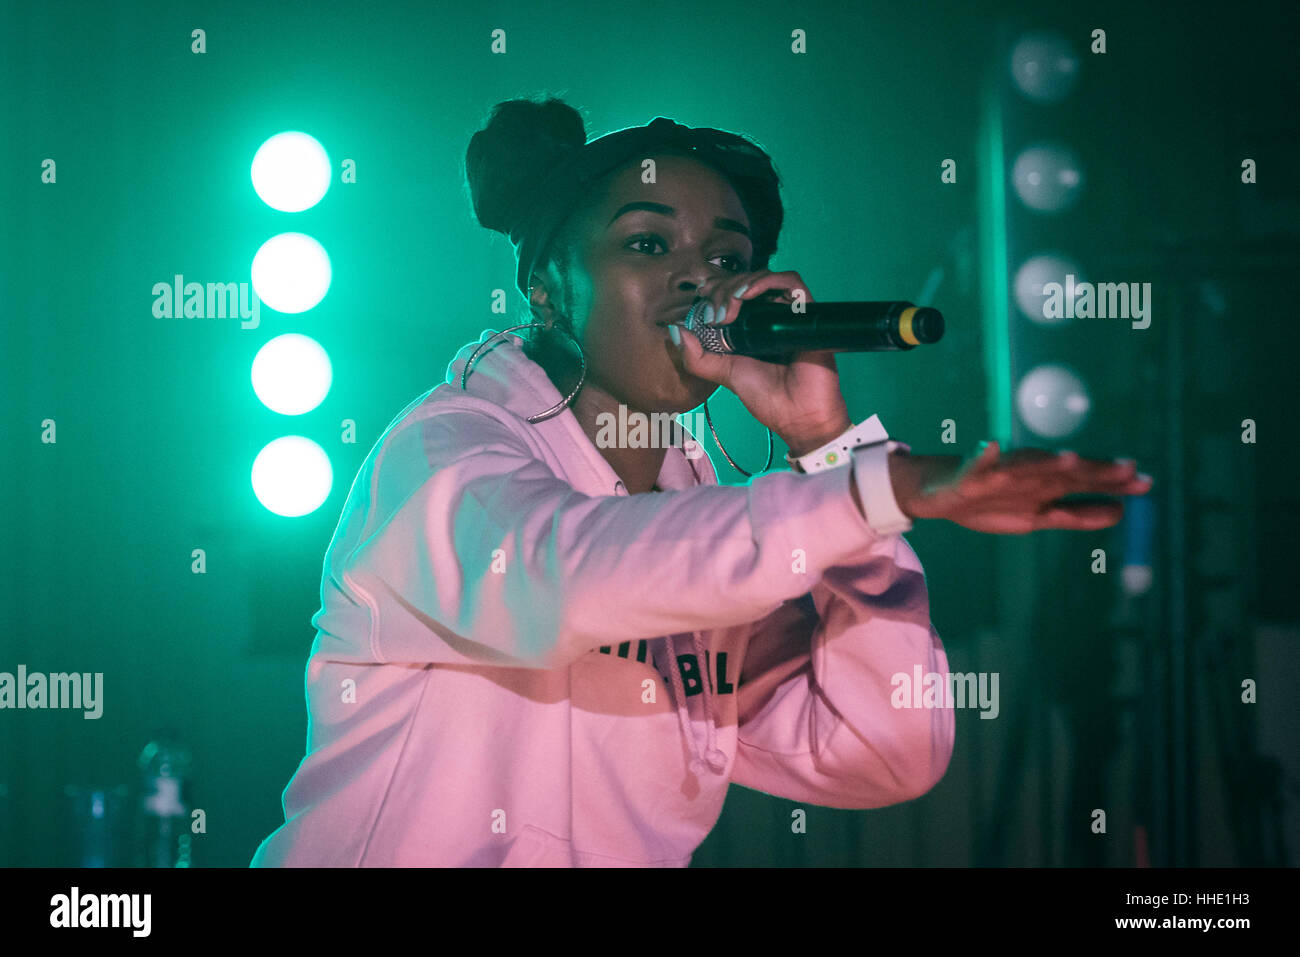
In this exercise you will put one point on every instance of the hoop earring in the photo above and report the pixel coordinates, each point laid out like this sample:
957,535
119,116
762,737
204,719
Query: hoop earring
563,403
765,467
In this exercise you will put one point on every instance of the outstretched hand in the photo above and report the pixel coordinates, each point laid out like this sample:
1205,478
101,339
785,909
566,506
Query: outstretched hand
1014,493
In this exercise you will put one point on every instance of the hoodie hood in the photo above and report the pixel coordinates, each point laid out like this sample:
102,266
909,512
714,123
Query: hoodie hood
503,375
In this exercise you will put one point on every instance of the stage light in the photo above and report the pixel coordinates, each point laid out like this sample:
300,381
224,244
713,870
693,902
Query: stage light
291,172
292,476
292,374
1036,272
1044,66
1052,401
291,272
1048,177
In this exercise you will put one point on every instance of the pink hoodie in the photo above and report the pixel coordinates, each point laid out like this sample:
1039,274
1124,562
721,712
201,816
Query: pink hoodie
517,663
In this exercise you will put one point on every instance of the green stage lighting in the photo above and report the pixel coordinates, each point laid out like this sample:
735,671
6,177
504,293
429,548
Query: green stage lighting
292,374
292,476
291,172
291,272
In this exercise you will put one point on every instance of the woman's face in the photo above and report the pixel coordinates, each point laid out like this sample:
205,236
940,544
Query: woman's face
640,254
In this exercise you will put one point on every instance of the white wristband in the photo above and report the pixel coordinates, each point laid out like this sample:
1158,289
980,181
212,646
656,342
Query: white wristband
836,452
866,447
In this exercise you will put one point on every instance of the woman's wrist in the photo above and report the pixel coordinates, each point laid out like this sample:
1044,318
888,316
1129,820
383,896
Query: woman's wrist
809,440
911,475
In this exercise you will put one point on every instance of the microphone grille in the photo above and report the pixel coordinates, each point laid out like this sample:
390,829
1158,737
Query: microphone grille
710,336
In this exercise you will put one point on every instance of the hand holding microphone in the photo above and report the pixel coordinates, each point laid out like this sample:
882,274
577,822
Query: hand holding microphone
775,331
799,400
780,362
996,492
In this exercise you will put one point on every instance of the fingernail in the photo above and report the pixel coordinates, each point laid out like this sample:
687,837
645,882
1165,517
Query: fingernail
709,313
1126,461
739,292
675,335
1143,477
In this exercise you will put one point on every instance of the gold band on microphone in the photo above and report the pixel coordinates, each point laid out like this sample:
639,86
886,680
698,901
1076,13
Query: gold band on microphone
905,326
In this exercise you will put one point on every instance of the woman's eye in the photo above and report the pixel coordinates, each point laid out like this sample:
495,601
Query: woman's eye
646,239
738,261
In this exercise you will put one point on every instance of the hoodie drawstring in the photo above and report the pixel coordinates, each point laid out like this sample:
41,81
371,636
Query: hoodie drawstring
715,759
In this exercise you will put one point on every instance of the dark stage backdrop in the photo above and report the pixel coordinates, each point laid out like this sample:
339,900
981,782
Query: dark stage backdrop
128,438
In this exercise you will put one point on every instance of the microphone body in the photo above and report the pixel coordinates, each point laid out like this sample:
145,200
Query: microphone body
774,332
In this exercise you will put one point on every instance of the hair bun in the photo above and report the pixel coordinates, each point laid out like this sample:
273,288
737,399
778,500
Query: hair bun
508,159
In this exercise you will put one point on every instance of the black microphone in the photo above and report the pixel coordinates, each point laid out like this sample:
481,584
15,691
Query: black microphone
774,332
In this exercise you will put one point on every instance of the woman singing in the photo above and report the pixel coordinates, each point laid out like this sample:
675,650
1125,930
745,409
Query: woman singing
541,647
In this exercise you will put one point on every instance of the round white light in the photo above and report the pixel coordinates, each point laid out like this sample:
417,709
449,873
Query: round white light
291,172
1052,401
291,272
1048,177
292,374
1044,66
1035,273
292,476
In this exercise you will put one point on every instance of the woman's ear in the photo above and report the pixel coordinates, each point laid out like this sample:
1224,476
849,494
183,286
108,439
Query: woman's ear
544,302
538,301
